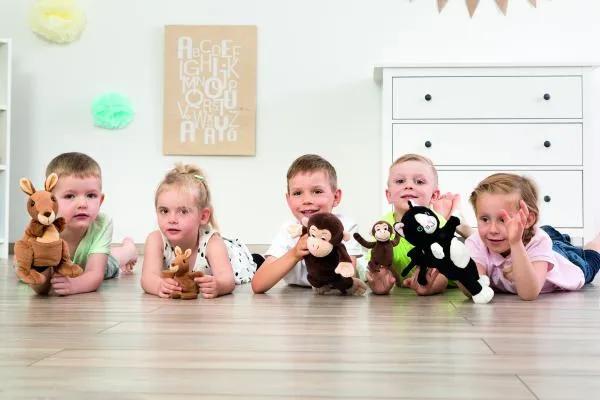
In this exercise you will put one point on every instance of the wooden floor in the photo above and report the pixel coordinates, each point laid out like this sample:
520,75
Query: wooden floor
120,343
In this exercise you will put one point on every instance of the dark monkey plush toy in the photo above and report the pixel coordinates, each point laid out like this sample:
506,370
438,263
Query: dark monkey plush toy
382,249
328,263
438,248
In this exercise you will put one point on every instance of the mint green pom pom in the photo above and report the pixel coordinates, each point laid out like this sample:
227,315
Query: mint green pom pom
112,111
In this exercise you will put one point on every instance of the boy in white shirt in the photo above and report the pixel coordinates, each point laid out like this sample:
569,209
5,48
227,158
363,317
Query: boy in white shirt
312,188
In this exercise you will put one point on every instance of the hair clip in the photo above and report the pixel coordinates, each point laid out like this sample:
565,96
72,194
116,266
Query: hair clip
199,177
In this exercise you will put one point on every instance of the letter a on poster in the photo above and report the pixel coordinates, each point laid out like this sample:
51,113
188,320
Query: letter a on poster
209,90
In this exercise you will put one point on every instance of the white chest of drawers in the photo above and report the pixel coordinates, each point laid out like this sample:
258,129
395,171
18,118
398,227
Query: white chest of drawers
473,121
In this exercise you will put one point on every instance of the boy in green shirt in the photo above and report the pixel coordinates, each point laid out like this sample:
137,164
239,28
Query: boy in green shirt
413,177
87,232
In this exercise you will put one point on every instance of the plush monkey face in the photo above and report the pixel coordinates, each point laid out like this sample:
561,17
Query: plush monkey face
419,223
319,241
382,231
325,231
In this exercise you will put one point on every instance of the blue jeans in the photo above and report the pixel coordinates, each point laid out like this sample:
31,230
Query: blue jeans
587,260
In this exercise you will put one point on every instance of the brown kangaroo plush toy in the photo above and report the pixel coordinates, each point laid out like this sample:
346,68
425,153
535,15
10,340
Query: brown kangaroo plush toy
41,246
180,271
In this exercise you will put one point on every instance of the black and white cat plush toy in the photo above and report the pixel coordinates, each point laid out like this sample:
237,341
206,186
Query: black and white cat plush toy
438,248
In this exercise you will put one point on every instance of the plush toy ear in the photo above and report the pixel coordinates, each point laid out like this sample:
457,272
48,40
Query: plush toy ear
187,253
27,186
177,250
295,230
51,181
398,227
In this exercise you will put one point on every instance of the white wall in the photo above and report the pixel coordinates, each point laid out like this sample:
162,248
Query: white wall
315,91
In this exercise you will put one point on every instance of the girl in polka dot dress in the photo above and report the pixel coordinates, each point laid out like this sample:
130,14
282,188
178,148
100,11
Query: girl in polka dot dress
186,219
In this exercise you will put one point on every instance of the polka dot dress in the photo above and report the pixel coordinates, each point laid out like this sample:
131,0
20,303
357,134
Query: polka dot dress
240,257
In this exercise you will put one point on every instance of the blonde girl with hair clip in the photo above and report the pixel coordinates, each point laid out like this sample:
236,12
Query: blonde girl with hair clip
186,219
517,256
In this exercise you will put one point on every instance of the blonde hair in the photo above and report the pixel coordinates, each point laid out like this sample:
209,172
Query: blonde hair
505,183
312,163
75,164
191,178
418,158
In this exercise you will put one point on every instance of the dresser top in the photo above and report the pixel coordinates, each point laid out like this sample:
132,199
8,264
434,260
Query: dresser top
378,70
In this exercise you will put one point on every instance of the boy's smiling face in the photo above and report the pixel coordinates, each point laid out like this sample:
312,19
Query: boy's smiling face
310,193
79,200
411,180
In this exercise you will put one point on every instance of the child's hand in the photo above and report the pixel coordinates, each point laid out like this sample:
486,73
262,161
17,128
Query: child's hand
208,286
61,284
413,283
381,282
301,248
446,204
168,286
515,225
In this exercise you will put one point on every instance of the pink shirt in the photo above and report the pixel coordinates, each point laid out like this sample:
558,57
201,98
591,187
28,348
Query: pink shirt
562,273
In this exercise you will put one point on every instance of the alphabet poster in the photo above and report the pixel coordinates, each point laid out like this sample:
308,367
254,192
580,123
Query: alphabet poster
209,90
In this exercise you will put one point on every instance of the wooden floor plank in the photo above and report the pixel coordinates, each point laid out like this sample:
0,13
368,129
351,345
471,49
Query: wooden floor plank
291,343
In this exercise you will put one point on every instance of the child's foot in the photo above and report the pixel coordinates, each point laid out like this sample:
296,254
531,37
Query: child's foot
593,244
127,255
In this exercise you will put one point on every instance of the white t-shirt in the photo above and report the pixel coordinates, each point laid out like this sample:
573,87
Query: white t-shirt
283,242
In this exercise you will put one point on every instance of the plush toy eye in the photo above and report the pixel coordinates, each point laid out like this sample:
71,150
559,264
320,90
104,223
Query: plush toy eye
31,203
53,198
420,229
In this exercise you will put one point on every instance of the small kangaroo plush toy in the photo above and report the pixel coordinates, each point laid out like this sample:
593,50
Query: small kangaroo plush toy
180,271
41,246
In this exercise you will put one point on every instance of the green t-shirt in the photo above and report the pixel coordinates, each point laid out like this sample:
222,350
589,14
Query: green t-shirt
97,239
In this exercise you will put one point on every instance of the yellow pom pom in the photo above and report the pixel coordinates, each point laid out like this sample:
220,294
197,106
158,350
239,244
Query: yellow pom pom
59,21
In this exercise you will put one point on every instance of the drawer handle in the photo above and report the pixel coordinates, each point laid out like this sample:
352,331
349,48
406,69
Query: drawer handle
428,144
427,97
546,96
547,198
547,143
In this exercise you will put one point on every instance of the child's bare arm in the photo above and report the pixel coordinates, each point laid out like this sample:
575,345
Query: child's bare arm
152,280
274,269
89,281
221,281
528,277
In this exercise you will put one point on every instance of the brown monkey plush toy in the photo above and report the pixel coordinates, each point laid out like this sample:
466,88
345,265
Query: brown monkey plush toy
382,249
41,246
180,271
328,263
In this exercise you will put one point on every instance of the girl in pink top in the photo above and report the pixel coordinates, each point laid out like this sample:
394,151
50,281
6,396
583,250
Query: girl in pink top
517,256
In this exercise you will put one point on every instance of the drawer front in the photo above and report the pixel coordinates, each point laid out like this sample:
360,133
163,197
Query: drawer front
468,97
491,144
560,194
